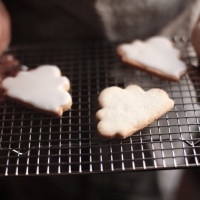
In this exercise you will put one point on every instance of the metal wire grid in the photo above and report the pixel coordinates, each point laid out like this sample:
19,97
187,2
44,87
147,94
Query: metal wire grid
33,143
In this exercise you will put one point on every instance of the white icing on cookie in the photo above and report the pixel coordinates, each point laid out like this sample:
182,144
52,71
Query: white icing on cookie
125,111
42,88
157,53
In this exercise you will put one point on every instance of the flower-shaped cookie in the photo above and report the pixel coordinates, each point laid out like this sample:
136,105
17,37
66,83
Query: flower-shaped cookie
156,56
42,88
125,111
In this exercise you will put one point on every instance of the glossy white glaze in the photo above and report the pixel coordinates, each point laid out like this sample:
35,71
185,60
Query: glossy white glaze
157,53
42,87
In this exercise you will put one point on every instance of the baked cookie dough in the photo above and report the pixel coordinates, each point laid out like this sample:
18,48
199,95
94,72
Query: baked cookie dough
156,56
43,88
125,111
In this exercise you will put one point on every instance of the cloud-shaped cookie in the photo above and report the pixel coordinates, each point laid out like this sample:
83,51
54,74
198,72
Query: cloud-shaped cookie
156,56
125,111
42,88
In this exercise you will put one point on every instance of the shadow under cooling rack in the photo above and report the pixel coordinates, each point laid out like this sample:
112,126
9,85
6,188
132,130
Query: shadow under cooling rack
36,144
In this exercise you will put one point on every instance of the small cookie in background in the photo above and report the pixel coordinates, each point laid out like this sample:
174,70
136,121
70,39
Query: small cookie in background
156,56
42,88
125,111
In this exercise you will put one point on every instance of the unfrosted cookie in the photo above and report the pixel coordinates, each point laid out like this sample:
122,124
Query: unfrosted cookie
42,88
156,56
125,111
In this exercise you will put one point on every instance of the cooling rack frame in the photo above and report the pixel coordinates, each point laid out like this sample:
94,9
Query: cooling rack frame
33,143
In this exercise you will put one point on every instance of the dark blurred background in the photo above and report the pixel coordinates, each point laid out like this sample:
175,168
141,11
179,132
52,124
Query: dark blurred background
37,21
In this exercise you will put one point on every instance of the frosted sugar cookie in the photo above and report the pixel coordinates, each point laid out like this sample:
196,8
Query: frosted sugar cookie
125,111
156,56
42,88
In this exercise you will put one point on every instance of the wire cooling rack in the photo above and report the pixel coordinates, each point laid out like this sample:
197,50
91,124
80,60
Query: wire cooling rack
33,143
